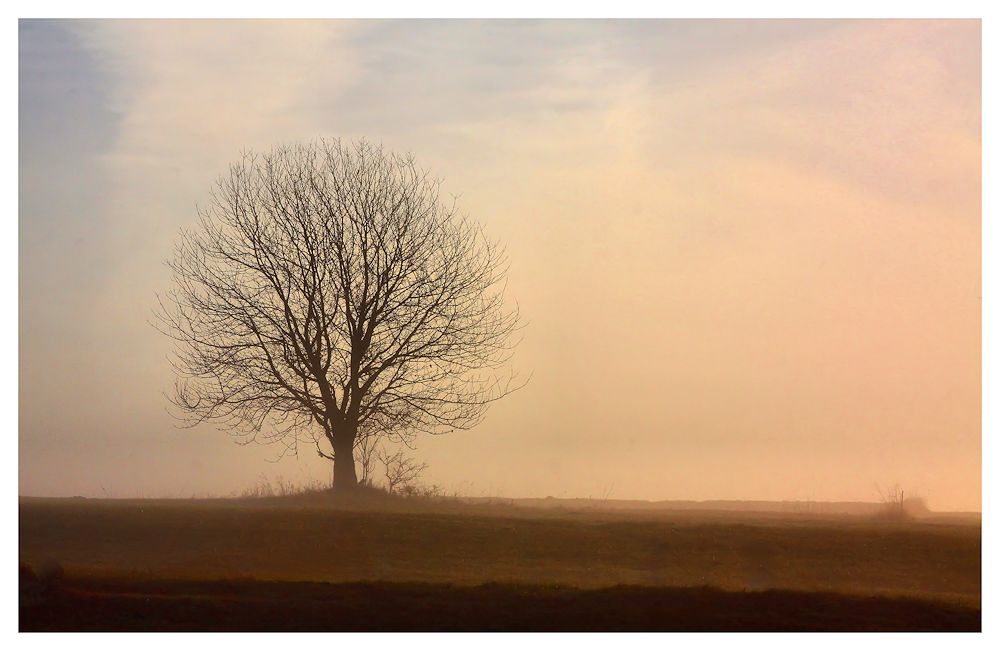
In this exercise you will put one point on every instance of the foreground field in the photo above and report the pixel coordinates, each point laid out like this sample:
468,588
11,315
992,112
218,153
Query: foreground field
162,559
138,605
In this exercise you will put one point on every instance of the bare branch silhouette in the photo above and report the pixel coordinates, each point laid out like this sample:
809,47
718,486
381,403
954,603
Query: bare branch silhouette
400,470
328,295
366,453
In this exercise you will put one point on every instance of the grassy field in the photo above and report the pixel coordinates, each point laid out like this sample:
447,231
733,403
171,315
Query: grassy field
163,556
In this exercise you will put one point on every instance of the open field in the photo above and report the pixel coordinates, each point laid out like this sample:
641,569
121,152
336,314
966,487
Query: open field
210,564
143,605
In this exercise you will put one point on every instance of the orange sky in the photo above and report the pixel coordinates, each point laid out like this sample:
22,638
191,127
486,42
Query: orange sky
748,253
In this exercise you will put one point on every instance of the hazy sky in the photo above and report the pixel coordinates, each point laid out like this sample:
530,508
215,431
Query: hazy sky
748,253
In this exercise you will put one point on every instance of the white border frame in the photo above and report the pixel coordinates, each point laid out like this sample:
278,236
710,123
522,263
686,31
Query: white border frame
532,9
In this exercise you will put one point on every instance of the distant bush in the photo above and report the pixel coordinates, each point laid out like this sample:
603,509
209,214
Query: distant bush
896,506
266,488
281,488
420,491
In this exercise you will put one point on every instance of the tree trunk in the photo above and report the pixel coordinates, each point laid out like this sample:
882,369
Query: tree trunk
345,476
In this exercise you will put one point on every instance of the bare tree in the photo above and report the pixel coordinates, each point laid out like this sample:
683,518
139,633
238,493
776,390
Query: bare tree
400,469
893,502
328,294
